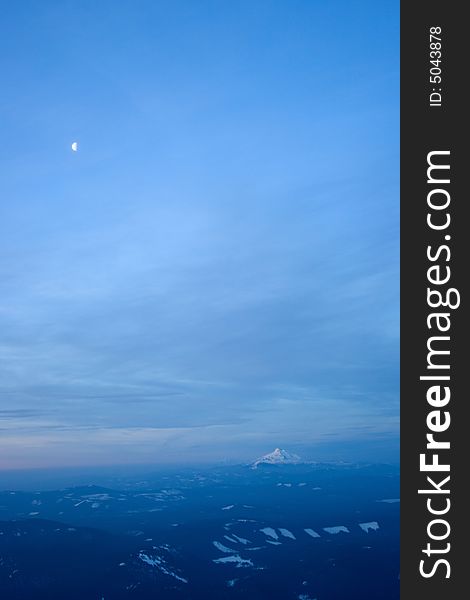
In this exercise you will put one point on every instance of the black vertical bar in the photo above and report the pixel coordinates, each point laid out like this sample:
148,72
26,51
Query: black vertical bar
434,123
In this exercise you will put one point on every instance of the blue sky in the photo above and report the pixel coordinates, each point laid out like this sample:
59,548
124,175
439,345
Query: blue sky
215,272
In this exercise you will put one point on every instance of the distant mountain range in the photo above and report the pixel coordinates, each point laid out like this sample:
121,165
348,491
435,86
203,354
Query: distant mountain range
277,457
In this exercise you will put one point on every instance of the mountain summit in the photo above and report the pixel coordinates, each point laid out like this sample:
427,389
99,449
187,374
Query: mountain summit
277,457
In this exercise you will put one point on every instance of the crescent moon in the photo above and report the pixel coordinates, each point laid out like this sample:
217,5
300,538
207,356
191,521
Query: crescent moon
75,146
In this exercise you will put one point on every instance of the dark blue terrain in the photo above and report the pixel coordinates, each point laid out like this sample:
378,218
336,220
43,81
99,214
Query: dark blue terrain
290,532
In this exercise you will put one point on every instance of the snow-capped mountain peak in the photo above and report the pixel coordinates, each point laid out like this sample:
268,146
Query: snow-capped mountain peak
277,457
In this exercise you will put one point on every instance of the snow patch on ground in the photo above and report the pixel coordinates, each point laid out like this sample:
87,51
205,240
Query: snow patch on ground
246,520
235,559
222,548
241,540
97,496
159,562
270,532
286,533
336,529
371,525
311,532
227,537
